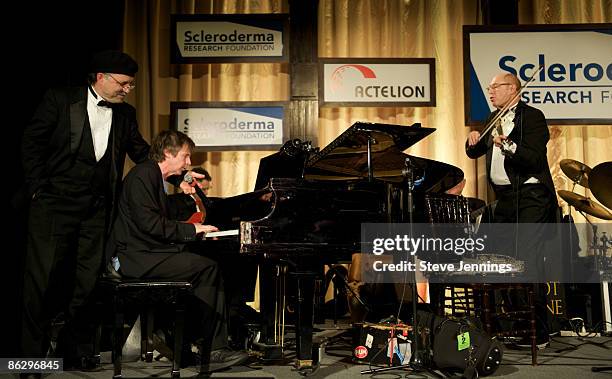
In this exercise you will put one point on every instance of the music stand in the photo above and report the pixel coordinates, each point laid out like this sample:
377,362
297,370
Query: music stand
416,361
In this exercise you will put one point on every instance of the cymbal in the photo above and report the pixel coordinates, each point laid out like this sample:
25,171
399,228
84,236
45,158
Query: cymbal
585,204
600,183
576,171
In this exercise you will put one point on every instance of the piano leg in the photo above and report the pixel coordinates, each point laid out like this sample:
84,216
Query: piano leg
269,341
304,325
269,346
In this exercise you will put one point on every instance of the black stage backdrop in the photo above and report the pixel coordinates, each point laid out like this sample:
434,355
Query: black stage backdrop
45,44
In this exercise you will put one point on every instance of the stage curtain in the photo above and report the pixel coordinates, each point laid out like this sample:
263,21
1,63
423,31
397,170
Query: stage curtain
589,144
348,28
147,39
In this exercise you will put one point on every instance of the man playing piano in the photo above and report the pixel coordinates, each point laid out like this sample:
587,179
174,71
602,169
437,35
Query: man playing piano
151,243
239,278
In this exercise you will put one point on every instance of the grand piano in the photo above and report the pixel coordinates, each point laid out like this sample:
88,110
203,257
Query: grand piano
307,211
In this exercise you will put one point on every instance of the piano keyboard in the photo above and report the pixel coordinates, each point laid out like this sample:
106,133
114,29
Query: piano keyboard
222,233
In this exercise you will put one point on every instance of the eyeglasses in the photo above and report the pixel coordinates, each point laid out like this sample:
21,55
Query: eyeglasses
495,86
126,84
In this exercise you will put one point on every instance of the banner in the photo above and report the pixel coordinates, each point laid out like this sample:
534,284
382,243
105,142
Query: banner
575,85
231,126
229,38
481,253
359,82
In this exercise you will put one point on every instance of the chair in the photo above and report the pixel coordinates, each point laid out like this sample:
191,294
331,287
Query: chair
146,294
475,300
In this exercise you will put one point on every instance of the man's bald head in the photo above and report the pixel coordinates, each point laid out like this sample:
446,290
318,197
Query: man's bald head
503,88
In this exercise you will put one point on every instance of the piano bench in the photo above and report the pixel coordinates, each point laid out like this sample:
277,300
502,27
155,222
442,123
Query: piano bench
146,294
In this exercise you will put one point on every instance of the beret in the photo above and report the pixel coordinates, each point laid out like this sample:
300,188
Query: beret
113,62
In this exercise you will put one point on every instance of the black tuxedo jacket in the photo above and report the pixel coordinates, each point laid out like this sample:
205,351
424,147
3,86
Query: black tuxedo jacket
147,227
51,139
530,134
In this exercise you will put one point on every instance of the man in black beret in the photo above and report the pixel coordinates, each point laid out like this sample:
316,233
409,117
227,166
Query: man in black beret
73,152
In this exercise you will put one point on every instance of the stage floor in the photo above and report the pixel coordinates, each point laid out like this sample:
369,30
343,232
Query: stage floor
566,357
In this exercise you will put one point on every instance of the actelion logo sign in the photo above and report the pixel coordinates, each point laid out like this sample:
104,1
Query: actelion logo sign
337,75
374,90
401,81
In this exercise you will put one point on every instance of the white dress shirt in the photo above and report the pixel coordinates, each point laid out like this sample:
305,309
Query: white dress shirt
100,120
498,172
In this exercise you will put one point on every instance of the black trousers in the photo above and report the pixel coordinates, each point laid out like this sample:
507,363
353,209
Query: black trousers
63,260
535,205
207,315
531,203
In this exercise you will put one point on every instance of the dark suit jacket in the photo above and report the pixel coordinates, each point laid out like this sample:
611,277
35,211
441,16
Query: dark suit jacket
146,229
530,134
51,140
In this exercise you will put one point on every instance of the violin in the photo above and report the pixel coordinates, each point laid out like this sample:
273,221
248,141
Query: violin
202,201
198,217
496,122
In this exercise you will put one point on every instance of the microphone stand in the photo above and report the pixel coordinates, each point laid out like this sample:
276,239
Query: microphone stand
416,363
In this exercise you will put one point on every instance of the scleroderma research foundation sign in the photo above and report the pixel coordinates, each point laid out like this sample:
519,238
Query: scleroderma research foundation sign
229,38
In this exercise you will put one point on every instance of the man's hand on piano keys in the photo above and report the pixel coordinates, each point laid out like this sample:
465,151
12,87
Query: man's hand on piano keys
203,229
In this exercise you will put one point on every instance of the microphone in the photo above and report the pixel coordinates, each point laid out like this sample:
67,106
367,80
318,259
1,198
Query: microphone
189,179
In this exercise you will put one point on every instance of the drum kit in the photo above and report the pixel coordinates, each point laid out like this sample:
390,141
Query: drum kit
599,182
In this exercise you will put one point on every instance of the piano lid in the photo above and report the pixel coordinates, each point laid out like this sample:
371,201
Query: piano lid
346,157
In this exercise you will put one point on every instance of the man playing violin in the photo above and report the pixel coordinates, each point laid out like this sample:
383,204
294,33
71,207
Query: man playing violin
517,166
517,169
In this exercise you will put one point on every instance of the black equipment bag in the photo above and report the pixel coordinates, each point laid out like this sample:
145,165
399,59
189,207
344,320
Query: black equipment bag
459,345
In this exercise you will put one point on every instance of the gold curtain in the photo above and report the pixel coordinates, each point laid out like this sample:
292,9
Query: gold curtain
147,39
347,28
589,144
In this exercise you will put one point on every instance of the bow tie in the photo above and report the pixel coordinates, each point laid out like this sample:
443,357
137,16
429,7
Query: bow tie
104,103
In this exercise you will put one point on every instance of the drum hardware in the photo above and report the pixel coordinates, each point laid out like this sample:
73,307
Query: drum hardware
600,246
584,204
583,175
599,181
578,172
